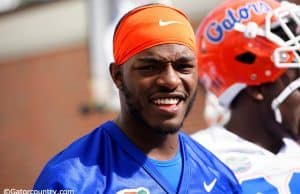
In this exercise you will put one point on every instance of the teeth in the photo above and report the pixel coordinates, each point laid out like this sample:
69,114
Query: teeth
166,101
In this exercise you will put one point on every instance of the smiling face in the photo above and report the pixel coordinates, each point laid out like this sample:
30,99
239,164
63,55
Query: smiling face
158,87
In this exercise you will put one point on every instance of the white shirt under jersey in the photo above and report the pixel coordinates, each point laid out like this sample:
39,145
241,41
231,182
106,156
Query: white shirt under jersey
258,170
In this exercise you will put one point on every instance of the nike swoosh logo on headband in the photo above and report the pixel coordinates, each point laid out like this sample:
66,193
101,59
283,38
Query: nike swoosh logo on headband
166,23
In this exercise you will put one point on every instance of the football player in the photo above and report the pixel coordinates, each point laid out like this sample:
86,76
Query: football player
142,150
249,58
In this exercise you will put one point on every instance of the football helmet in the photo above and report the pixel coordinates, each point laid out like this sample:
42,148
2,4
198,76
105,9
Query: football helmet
248,42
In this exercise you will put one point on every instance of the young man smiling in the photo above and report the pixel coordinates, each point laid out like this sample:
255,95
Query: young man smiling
143,150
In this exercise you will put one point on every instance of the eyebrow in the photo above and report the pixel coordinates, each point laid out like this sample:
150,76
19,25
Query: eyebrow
161,60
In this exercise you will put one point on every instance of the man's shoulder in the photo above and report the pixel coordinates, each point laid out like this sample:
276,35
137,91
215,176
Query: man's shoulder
85,145
200,153
201,159
212,137
75,161
210,134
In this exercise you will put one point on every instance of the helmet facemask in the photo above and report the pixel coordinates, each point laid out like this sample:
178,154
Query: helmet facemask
288,30
282,27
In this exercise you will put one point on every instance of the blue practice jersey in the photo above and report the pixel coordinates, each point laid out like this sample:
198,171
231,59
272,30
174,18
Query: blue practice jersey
106,161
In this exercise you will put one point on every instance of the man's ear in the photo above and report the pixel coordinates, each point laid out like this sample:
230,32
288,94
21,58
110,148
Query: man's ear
256,92
116,74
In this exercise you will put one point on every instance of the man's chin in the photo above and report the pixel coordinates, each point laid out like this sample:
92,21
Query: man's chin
166,131
168,128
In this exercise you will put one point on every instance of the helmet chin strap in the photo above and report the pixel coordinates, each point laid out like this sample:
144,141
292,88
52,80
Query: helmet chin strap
282,96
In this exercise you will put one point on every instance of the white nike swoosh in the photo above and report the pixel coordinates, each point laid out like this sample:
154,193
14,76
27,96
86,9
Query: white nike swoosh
166,23
208,187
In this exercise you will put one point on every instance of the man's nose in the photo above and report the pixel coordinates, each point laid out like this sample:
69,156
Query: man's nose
169,77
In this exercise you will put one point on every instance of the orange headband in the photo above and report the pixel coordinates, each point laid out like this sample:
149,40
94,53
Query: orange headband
149,26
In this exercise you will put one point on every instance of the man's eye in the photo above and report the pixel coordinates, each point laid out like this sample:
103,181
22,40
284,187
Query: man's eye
184,67
149,68
146,68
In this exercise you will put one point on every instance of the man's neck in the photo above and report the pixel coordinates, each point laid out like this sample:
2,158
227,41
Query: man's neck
154,145
249,125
